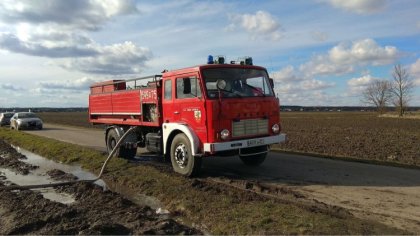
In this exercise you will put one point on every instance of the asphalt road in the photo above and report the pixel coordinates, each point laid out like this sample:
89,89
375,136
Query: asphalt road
383,193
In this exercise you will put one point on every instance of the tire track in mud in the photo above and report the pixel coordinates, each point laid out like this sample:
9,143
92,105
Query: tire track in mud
94,210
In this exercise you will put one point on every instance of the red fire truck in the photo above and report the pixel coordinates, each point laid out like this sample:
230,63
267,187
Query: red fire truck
187,114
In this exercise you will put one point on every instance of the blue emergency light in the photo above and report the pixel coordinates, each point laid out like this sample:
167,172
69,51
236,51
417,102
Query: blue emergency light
210,59
221,60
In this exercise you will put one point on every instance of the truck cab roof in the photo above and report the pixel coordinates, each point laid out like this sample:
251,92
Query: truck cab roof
205,66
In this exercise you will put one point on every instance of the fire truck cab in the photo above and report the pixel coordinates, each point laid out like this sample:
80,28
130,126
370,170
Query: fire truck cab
187,114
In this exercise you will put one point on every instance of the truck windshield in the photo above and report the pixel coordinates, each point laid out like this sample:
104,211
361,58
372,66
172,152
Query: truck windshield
240,82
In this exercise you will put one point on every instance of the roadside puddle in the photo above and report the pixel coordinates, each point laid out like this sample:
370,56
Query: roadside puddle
30,179
40,176
46,165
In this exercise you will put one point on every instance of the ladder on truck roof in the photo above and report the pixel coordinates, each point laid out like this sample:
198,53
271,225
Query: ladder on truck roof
136,83
151,81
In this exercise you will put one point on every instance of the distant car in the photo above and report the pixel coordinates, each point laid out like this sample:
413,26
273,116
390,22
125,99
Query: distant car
25,120
5,118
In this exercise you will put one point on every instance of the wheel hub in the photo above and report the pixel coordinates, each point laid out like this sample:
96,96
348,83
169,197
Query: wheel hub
113,143
181,155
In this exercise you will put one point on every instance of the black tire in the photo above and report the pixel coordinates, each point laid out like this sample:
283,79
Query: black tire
182,159
253,160
40,127
123,152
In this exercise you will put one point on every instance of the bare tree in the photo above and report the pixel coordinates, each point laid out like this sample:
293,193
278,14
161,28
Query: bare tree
401,88
378,93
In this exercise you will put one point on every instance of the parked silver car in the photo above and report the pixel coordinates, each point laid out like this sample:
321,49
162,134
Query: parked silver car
5,118
25,120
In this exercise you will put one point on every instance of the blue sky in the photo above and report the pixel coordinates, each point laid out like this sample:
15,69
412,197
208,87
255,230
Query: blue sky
320,52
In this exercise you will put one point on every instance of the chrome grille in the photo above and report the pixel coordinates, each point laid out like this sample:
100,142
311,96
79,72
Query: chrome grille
249,127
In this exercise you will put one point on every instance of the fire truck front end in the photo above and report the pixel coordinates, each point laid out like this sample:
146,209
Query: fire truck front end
243,114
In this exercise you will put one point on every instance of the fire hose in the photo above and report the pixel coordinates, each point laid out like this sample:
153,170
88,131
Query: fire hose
111,154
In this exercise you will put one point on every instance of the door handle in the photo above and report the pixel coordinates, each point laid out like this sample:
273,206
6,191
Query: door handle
176,112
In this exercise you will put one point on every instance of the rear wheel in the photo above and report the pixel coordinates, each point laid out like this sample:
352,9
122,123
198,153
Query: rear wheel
122,151
182,159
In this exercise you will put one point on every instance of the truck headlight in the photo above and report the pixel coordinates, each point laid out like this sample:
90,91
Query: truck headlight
224,134
275,128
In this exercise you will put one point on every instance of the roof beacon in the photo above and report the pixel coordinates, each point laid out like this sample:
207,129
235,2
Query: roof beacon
245,61
210,59
219,60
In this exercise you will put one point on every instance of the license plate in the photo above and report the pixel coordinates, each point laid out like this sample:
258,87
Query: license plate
255,142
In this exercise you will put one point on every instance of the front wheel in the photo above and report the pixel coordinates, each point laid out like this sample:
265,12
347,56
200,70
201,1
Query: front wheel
182,159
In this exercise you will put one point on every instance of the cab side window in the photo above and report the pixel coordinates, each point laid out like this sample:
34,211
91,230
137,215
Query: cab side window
188,87
168,90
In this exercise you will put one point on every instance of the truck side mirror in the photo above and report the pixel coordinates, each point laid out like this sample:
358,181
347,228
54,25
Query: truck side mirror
271,82
187,85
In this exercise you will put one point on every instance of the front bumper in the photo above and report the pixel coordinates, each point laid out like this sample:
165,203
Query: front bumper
245,143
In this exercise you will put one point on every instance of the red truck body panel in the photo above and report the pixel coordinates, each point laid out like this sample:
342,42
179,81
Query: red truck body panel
117,104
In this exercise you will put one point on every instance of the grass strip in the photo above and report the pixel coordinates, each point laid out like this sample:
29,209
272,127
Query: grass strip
217,208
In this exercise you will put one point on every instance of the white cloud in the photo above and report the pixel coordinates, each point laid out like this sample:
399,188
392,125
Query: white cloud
357,85
359,6
365,51
49,44
361,81
414,70
76,85
322,65
287,73
80,52
261,24
314,84
116,59
11,87
74,14
343,58
339,60
291,82
43,30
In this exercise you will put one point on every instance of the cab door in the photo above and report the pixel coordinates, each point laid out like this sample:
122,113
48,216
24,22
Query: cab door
189,104
169,109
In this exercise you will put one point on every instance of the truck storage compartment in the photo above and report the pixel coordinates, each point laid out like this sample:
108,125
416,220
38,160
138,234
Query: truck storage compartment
126,102
154,142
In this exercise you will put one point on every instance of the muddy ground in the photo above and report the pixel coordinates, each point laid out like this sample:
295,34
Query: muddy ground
94,210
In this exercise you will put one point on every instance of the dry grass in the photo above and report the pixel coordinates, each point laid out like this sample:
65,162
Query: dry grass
409,115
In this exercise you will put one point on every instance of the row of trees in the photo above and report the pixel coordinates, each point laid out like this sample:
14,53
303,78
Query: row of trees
397,92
